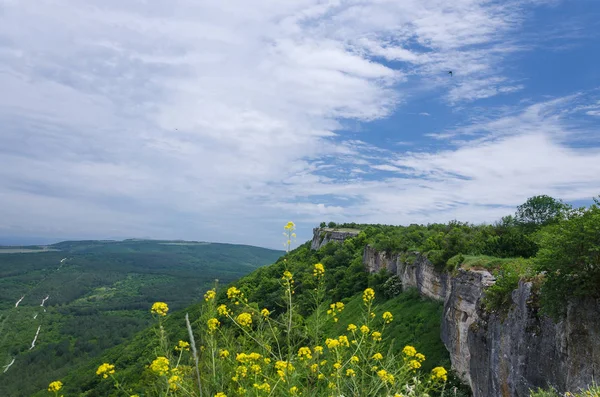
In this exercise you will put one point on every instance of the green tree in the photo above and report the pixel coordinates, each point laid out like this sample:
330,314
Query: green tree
570,255
540,210
332,224
323,224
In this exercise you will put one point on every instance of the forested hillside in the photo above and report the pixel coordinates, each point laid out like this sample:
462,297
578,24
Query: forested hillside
85,297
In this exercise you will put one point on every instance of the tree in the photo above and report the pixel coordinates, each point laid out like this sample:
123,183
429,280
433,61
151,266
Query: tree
323,224
569,254
332,224
540,210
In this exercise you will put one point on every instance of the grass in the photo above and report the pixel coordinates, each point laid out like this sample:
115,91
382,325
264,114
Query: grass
483,262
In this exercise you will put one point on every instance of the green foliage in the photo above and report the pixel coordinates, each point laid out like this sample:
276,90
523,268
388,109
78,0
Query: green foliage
540,211
498,296
590,391
570,257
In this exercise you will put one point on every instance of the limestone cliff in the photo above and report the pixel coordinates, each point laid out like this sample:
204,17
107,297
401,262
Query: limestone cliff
502,355
322,236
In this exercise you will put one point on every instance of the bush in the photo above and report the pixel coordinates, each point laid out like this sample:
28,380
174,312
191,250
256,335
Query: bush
498,297
570,257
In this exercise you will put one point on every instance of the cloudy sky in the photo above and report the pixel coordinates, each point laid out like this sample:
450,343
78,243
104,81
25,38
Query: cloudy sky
222,120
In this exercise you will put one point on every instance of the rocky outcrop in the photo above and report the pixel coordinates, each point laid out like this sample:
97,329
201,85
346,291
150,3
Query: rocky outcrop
322,236
502,355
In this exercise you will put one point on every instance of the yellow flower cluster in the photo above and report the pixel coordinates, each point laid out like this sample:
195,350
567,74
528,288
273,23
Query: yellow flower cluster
235,295
385,376
318,270
354,360
350,373
377,356
265,312
55,386
409,351
160,365
283,368
210,295
174,382
332,343
247,358
376,336
364,329
105,369
293,390
160,308
265,387
343,339
304,353
182,345
223,353
414,365
368,295
439,374
244,319
388,317
352,327
222,310
334,309
213,324
287,275
220,394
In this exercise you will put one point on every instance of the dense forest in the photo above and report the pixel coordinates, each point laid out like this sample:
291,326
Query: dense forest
97,294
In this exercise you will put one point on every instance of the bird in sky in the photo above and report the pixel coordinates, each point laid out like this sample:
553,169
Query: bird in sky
450,72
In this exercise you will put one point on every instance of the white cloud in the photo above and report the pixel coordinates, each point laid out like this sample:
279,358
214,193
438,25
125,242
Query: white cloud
196,120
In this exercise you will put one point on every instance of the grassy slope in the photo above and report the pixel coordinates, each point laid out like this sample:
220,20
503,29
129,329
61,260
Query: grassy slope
99,298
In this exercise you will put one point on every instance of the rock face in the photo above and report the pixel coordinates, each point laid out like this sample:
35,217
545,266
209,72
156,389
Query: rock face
502,355
322,236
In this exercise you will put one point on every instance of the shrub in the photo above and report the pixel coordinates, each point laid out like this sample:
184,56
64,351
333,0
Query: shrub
498,297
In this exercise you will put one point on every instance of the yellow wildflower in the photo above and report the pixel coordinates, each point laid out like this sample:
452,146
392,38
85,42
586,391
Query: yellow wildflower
160,308
420,357
376,336
414,364
409,351
213,324
174,382
377,356
354,360
265,312
182,345
385,376
368,295
350,372
343,339
241,370
293,390
304,353
223,353
244,319
439,373
287,275
255,369
351,327
160,365
332,343
388,317
220,394
248,358
263,387
222,310
337,365
372,315
105,369
320,376
234,293
318,270
314,367
319,349
55,386
364,329
210,295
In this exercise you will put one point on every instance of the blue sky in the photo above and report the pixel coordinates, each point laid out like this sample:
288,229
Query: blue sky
222,121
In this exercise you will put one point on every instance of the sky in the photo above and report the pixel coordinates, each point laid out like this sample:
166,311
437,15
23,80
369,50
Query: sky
223,120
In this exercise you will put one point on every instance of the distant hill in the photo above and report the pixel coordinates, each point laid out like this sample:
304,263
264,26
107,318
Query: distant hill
96,294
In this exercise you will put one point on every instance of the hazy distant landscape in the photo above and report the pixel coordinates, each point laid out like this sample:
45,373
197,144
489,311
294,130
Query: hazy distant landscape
96,294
